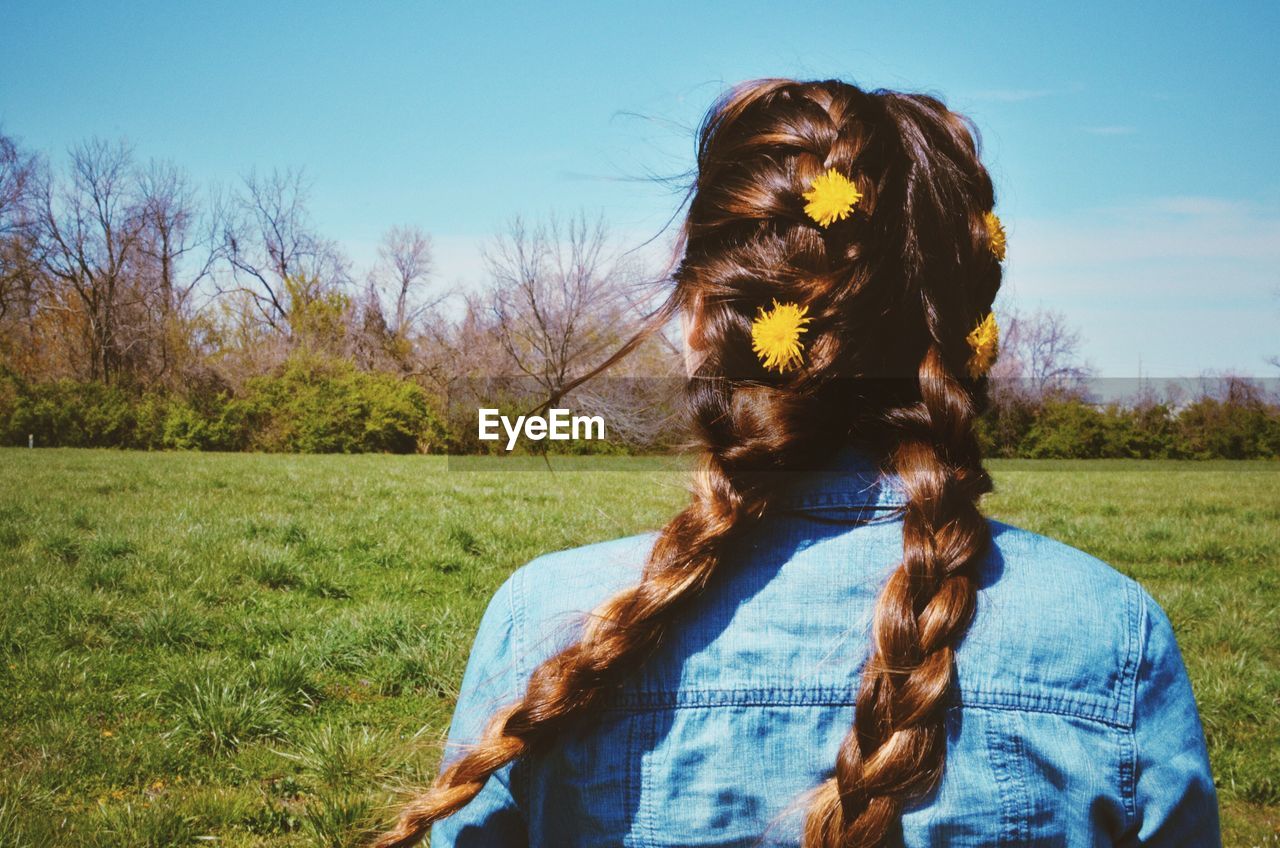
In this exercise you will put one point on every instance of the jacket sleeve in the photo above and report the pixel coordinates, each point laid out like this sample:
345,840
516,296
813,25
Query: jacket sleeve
492,819
1175,803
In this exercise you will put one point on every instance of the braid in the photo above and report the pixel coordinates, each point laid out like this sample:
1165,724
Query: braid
896,747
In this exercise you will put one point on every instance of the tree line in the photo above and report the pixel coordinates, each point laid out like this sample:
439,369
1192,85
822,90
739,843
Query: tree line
140,310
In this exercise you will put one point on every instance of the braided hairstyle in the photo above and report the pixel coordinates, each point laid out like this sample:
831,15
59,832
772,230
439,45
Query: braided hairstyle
892,290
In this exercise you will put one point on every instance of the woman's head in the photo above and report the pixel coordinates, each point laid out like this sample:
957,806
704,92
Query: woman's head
891,292
910,269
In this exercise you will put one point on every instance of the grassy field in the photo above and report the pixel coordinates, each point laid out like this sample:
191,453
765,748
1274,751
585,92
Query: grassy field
259,648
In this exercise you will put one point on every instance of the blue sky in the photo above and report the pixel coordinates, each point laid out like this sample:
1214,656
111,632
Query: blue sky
1134,146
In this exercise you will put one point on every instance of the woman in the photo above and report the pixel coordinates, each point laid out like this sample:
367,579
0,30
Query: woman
830,645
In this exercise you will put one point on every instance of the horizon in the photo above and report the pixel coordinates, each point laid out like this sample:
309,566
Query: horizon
1133,153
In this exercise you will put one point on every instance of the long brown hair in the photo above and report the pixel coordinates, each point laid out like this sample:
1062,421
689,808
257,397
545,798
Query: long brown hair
892,290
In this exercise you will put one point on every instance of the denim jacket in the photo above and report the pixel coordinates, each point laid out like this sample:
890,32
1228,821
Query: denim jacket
1073,722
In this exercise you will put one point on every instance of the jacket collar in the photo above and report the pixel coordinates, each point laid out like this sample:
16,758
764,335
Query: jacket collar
853,478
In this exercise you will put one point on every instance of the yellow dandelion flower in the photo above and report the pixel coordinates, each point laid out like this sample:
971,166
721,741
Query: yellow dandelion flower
984,341
107,734
995,235
775,335
831,197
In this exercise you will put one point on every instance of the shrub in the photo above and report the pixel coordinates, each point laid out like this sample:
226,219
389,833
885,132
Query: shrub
1151,432
67,413
149,414
316,404
325,405
1212,428
216,424
1067,429
1005,424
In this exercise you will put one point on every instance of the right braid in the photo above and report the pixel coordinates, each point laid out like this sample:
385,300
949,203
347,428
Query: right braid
897,744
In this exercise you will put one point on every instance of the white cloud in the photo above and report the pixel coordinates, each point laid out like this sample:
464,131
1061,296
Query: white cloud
1187,283
1156,228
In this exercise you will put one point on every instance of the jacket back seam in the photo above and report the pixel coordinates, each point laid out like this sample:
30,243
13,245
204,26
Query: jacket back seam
683,701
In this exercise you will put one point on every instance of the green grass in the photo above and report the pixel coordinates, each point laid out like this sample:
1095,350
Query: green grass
262,648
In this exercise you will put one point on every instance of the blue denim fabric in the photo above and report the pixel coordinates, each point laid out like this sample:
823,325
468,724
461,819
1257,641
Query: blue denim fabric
1074,722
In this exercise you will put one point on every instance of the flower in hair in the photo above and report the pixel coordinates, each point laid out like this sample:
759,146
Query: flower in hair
995,235
775,335
984,341
831,197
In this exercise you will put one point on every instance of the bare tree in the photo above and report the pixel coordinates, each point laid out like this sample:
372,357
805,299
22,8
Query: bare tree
372,342
91,228
1231,388
17,178
451,353
274,252
19,245
173,234
1040,356
178,252
556,298
400,276
561,300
